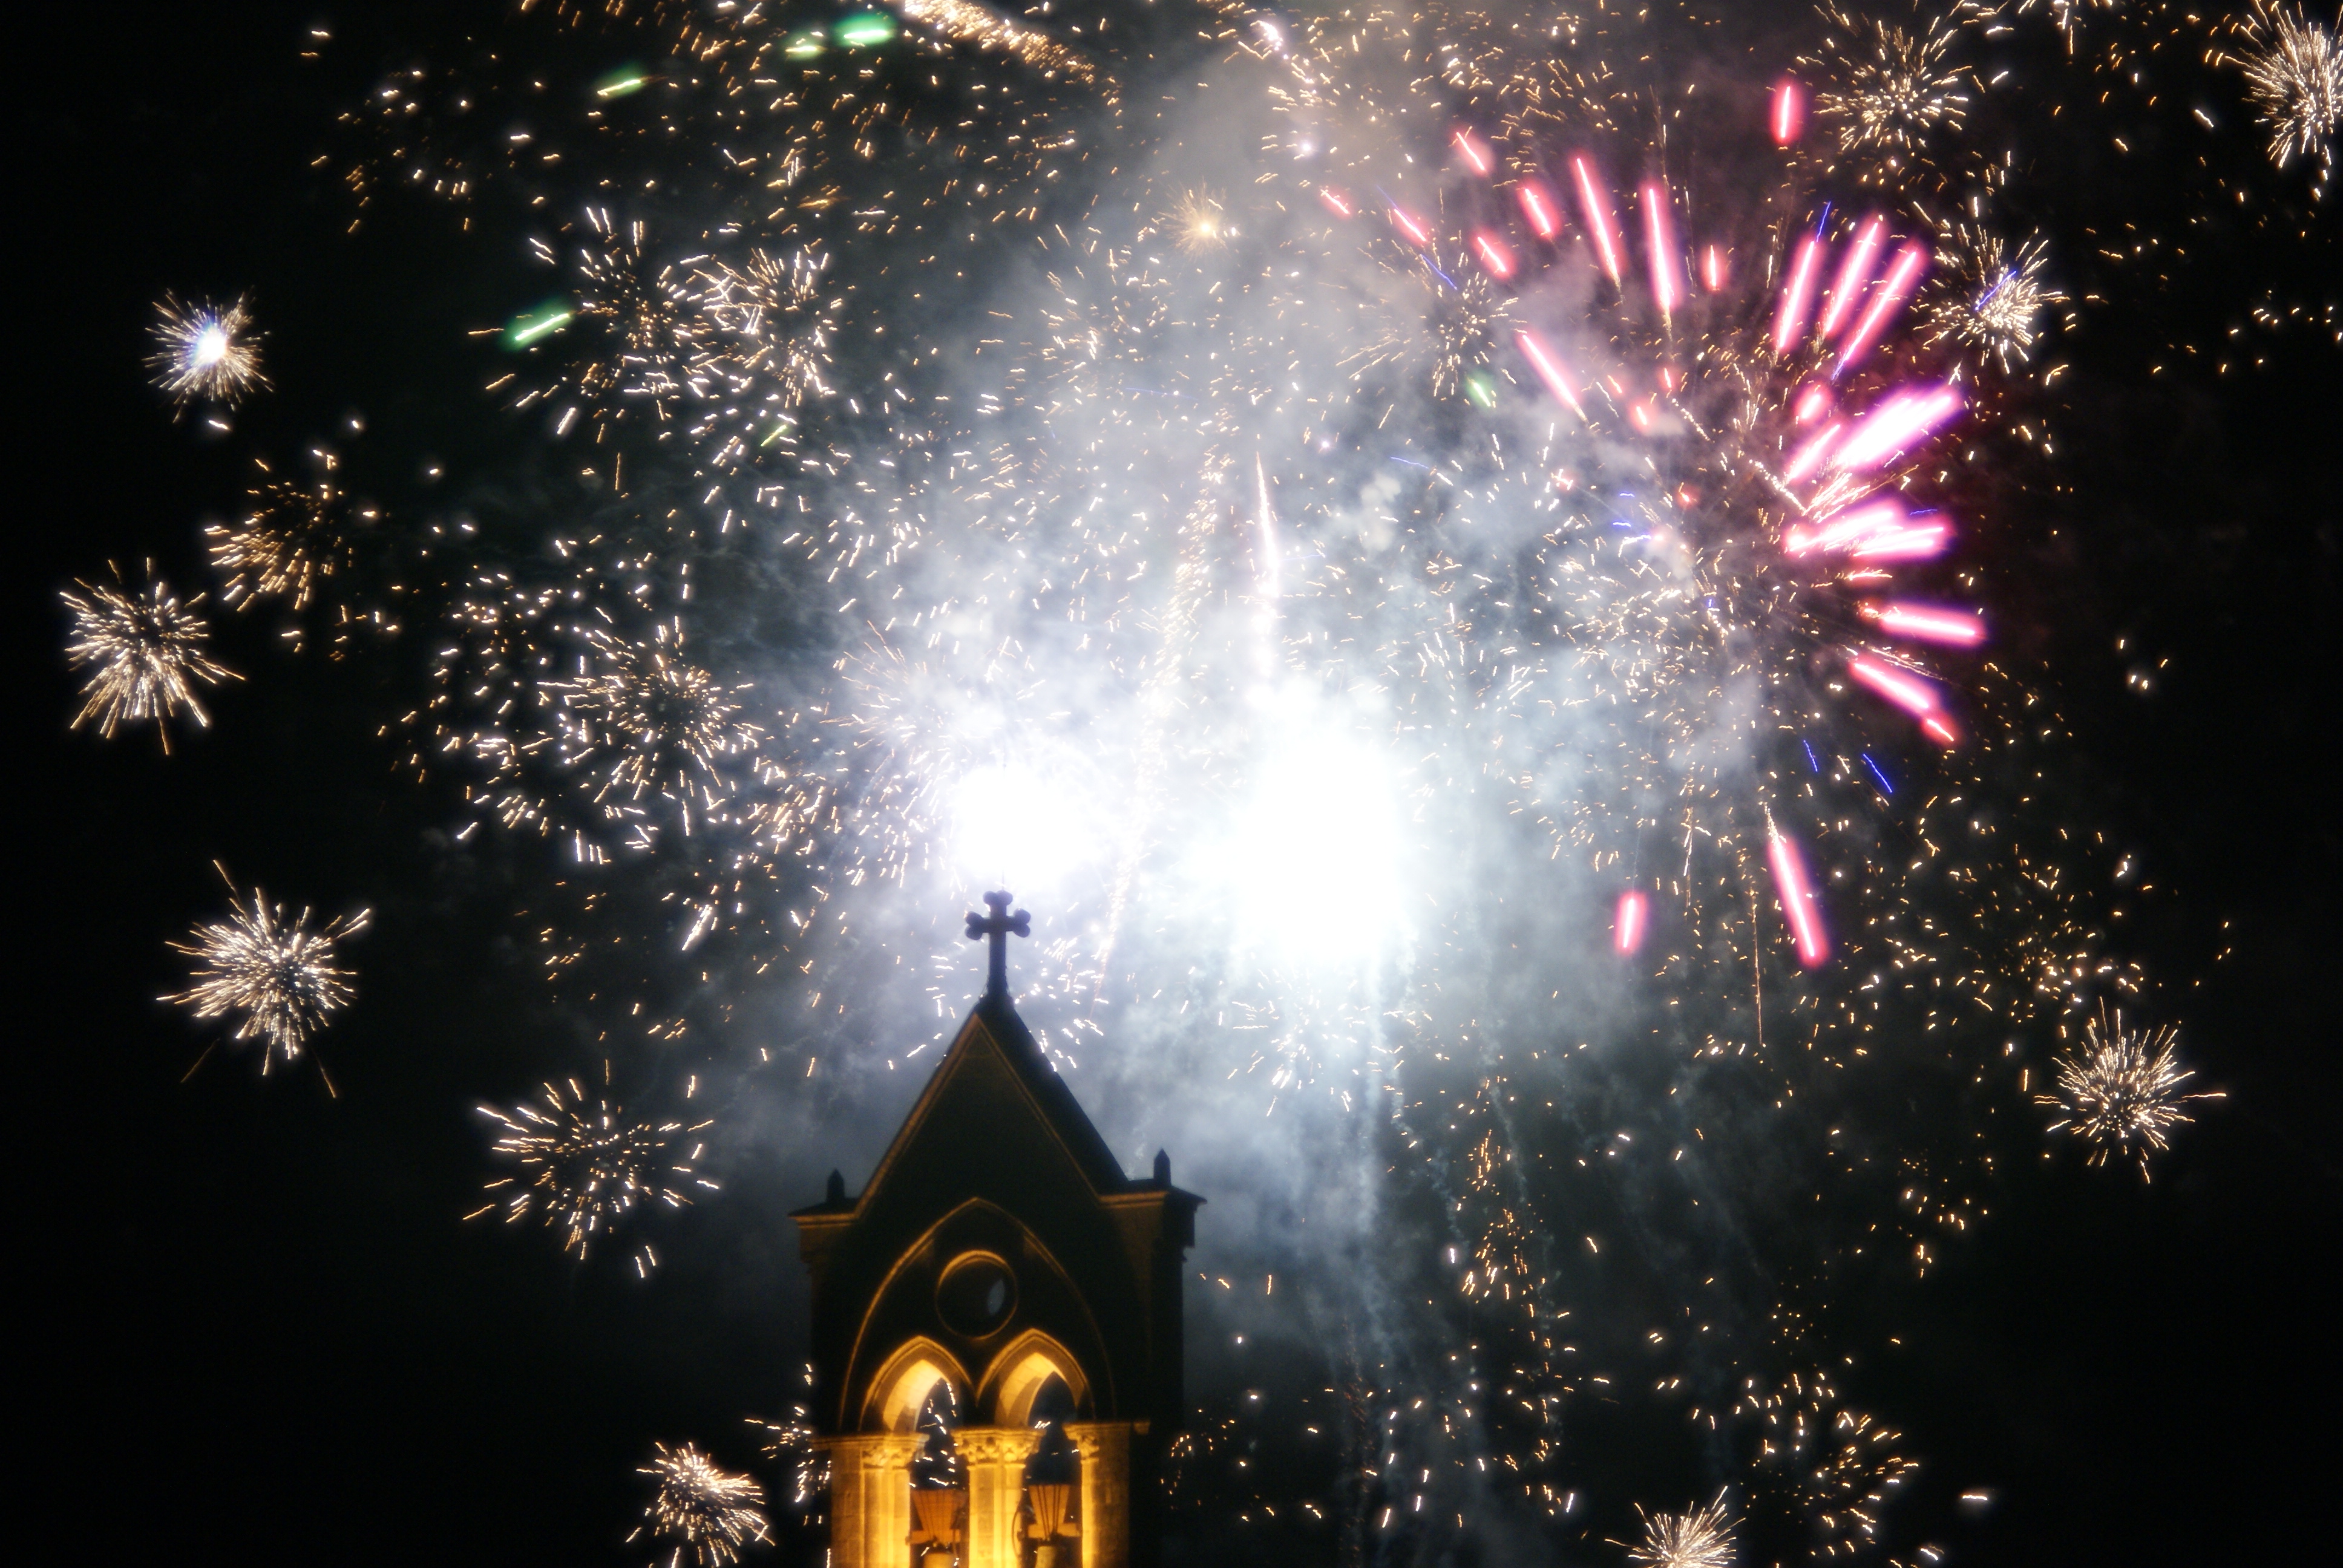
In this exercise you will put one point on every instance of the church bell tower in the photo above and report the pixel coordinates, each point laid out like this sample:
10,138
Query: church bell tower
996,1318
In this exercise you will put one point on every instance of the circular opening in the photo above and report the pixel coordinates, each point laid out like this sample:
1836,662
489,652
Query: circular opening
976,1295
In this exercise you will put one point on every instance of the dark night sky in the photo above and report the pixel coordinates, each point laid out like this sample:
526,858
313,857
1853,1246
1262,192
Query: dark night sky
254,1317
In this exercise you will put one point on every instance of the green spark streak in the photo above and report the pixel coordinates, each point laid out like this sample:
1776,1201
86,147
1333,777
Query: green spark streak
864,28
524,332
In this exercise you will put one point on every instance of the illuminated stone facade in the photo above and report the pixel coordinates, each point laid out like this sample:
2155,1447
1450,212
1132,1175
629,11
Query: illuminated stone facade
998,1250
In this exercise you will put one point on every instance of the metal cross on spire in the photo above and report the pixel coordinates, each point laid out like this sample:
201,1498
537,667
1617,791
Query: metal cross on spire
998,926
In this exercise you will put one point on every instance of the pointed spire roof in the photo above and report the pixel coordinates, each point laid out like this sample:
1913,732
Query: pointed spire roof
993,1033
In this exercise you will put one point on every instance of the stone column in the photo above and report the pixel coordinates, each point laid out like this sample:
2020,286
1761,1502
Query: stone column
871,1499
995,1457
1105,1448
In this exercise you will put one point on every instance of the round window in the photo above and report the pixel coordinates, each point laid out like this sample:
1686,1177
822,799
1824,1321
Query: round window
976,1295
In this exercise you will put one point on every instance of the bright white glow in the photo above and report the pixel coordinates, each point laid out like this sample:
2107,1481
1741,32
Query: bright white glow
1312,859
211,346
1016,826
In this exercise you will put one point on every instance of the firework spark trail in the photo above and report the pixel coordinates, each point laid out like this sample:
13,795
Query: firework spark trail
2120,1090
205,352
145,653
708,1512
277,976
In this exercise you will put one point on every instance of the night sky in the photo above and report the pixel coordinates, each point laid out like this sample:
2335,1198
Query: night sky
255,1324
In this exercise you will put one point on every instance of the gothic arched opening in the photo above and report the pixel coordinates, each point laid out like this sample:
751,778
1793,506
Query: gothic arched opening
1051,1514
938,1481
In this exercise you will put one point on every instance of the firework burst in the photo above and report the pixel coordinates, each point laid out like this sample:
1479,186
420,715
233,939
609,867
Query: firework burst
275,976
1891,88
205,351
637,345
709,1513
290,542
1198,222
1600,527
1995,297
641,720
585,1167
145,653
1437,318
1699,1538
771,311
2120,1091
2293,75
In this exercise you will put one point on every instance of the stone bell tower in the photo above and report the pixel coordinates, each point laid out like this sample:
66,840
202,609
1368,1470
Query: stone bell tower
996,1318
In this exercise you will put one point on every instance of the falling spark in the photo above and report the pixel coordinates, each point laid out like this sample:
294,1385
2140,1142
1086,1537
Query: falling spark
1660,238
1797,297
1853,273
1550,370
1902,276
1907,691
1538,209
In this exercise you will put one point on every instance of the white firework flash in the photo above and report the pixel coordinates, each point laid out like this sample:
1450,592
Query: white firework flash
206,351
